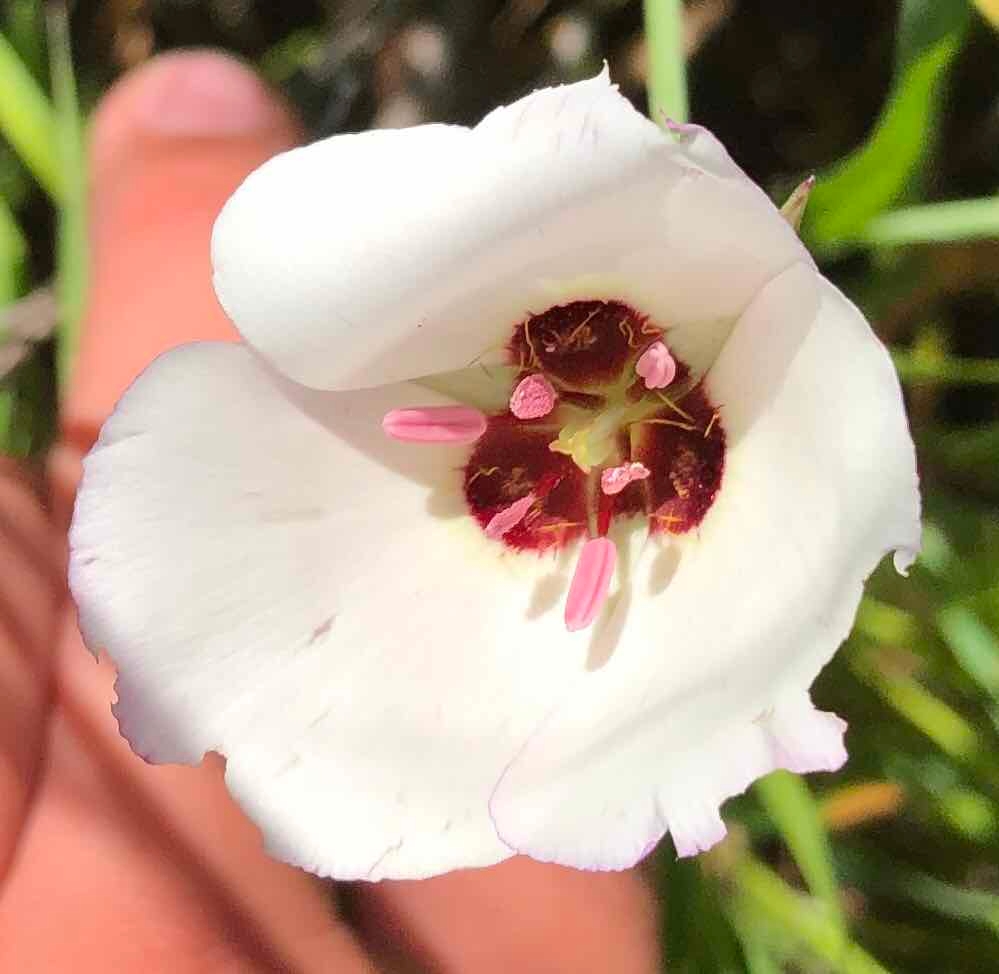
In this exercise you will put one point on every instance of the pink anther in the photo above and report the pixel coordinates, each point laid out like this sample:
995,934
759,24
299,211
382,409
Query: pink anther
435,424
614,479
533,398
656,366
507,519
590,582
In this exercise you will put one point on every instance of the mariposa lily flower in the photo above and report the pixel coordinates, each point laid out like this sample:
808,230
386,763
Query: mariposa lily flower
546,482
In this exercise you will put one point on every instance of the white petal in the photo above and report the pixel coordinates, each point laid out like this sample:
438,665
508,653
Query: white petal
706,150
735,623
308,597
389,255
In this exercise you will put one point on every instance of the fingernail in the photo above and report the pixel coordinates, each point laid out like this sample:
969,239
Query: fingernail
192,93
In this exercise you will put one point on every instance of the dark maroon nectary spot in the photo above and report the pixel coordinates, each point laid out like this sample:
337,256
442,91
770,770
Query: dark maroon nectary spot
510,460
685,453
584,344
588,351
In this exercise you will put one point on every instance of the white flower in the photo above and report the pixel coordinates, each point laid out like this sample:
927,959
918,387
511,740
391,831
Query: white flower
390,640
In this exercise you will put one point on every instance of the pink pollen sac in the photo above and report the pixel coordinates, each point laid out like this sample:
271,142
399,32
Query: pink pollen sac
590,581
507,519
656,366
435,424
533,398
614,479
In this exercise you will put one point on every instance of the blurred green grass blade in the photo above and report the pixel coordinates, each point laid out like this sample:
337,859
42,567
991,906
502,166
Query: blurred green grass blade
28,122
938,799
681,880
974,906
13,251
953,222
886,623
765,902
667,71
971,450
922,23
29,410
973,644
938,554
22,22
717,945
698,936
71,242
869,180
6,421
790,803
948,370
888,877
757,955
989,9
970,813
280,62
960,557
943,725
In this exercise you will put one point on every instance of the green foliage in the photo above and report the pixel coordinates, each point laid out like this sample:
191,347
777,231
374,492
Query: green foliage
27,121
13,251
956,221
667,71
71,240
989,9
48,137
798,929
973,644
867,182
794,811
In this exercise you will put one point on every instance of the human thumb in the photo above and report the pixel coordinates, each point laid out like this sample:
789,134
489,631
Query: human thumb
171,142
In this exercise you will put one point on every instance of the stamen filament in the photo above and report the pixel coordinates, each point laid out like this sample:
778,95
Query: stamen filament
690,427
672,405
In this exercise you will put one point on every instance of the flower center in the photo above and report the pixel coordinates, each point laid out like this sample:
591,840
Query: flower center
622,431
603,423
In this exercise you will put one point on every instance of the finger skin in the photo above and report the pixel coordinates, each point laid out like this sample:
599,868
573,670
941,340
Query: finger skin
155,198
31,568
522,916
150,869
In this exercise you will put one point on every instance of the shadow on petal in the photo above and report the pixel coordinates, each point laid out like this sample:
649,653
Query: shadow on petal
757,356
609,629
664,567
